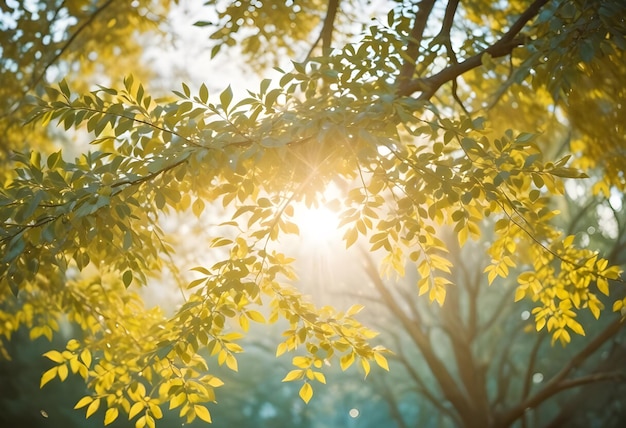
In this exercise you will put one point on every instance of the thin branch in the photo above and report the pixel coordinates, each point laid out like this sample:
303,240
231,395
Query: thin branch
504,46
531,365
559,382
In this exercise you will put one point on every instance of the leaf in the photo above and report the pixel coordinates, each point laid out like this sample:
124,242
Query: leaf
603,286
48,376
204,94
178,400
293,375
575,327
135,409
127,278
65,90
381,361
306,392
226,97
110,415
85,355
354,309
55,356
231,362
63,372
93,407
346,361
366,366
350,237
202,412
83,402
256,316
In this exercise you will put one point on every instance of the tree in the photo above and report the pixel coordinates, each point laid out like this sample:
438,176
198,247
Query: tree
406,122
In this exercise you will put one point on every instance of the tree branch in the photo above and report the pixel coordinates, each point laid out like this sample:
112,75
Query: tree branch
417,33
510,40
326,33
559,382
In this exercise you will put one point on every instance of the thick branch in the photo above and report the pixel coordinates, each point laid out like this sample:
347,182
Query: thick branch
504,46
326,33
417,33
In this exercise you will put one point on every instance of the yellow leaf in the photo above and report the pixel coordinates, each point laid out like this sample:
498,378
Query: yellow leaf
85,355
541,322
48,376
177,400
72,345
306,392
135,409
354,309
302,362
319,376
575,326
256,316
346,361
520,293
110,415
93,407
75,365
83,402
381,361
155,410
440,295
141,422
215,382
293,375
244,323
231,362
55,356
366,366
202,412
63,372
281,349
603,286
350,237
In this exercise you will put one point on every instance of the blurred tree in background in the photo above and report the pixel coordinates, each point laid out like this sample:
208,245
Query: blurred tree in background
473,152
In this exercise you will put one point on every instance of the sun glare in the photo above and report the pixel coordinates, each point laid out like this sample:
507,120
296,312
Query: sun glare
317,225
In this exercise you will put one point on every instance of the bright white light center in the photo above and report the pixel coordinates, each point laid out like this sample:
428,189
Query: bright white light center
354,413
317,225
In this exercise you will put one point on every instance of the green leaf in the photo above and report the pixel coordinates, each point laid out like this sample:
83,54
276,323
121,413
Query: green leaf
127,278
226,97
204,94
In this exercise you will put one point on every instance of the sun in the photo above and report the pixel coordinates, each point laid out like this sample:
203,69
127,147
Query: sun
318,225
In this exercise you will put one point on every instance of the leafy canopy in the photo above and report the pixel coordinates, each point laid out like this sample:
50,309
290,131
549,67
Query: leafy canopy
399,120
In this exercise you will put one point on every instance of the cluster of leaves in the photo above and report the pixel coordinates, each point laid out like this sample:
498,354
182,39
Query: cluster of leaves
42,41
